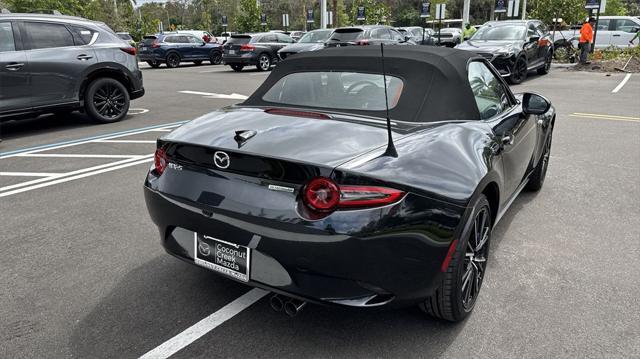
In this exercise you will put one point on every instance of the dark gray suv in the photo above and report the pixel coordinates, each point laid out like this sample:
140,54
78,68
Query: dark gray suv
55,63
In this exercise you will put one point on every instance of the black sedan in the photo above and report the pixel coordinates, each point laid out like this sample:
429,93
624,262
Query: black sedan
260,50
514,47
309,190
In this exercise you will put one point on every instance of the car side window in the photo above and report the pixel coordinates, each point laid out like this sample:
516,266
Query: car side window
170,39
417,34
603,24
531,31
81,35
284,39
381,33
626,25
268,38
194,40
395,35
489,92
46,35
6,37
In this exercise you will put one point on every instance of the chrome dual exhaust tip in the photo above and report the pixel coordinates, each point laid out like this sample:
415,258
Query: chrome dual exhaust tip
291,306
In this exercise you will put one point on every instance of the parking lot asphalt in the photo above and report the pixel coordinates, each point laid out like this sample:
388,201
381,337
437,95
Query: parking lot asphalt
83,274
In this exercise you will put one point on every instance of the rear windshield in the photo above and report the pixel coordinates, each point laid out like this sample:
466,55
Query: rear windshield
125,36
336,90
318,36
344,35
148,40
239,40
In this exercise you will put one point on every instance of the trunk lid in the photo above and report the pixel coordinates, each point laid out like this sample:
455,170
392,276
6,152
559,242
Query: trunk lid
325,142
235,42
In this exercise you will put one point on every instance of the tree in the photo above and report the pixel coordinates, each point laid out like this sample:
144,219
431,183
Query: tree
571,11
67,7
376,12
248,17
615,7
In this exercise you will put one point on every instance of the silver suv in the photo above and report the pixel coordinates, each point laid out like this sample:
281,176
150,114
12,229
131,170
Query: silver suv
55,63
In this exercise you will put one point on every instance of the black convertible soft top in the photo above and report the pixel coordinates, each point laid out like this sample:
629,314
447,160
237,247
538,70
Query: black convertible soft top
436,85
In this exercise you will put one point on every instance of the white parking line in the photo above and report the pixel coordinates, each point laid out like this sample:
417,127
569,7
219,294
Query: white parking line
206,325
67,179
73,155
622,83
76,143
84,170
29,174
125,141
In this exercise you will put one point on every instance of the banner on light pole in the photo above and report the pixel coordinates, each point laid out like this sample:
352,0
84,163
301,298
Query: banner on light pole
263,19
310,16
425,8
501,6
592,4
285,20
360,16
329,18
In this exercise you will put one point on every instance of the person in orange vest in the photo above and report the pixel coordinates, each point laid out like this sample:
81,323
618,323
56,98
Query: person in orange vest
586,40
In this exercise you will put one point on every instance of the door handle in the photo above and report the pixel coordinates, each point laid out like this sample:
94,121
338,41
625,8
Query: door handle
84,57
14,66
616,35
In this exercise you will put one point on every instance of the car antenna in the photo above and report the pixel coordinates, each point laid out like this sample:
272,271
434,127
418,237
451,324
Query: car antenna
391,149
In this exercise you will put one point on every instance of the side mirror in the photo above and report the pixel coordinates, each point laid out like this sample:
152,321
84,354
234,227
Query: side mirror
407,38
203,43
534,104
534,38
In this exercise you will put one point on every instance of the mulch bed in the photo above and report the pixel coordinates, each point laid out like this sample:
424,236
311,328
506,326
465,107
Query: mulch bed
609,65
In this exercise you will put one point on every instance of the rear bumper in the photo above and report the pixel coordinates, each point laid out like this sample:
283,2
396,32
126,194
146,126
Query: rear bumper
399,266
137,93
246,59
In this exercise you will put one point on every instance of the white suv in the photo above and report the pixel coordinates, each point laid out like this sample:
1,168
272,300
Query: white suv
616,31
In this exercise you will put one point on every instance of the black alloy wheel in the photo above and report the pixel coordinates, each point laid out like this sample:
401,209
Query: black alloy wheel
519,72
457,295
540,172
236,67
264,62
173,60
475,258
215,58
547,64
107,100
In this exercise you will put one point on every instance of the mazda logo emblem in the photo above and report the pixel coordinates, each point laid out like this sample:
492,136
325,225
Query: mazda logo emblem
204,249
221,159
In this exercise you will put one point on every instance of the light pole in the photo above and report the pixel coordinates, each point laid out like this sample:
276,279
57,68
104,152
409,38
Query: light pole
323,14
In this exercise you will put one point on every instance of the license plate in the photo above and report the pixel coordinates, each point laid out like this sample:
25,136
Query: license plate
232,52
227,258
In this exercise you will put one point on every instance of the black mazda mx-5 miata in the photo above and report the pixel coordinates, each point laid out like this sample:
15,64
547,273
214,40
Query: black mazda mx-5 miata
311,190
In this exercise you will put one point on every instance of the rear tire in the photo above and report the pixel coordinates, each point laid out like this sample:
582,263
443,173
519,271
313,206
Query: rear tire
215,58
106,100
264,62
540,172
173,60
237,68
457,295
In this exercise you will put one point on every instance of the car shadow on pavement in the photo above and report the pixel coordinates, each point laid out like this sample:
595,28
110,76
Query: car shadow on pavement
46,124
148,306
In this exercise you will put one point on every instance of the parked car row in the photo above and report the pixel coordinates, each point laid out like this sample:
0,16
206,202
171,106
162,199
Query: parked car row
173,48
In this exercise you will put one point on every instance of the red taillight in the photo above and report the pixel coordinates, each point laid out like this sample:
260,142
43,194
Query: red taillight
155,44
160,161
367,196
129,50
247,47
323,195
362,42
